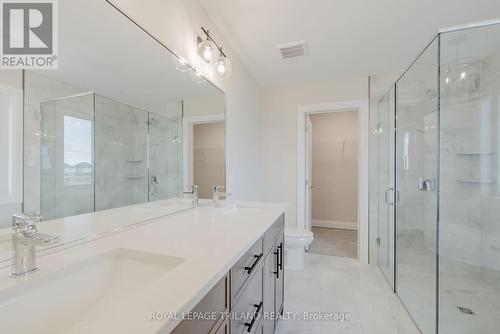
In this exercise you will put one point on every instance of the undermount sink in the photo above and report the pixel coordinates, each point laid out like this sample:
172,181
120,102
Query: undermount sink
83,296
239,208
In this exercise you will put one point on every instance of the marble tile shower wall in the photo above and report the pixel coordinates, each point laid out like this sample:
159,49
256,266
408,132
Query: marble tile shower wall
120,154
490,205
470,194
164,155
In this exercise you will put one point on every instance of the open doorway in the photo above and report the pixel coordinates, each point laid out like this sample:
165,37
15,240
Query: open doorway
332,141
208,157
204,152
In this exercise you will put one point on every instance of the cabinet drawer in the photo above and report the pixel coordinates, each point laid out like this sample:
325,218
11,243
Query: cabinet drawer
245,267
272,233
280,280
270,272
249,302
217,300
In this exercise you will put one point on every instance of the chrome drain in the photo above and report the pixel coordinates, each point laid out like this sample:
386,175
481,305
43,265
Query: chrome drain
466,310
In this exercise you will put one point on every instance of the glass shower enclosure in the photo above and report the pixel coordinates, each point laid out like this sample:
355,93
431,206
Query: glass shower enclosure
100,154
437,188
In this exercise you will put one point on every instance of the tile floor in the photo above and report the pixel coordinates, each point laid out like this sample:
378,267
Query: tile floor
334,242
331,284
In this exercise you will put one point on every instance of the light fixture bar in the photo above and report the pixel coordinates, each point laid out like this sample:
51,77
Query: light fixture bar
210,38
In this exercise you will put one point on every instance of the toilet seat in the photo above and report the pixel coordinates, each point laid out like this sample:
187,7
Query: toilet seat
296,241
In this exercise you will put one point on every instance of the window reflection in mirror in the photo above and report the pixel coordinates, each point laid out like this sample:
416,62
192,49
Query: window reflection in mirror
77,151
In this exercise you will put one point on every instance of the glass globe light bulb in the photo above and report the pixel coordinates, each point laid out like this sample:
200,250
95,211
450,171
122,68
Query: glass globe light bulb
207,51
223,67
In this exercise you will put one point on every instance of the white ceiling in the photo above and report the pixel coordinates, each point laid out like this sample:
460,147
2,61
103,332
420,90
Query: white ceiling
346,38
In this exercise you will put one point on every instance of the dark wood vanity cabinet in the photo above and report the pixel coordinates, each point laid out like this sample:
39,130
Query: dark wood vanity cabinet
218,301
252,292
280,281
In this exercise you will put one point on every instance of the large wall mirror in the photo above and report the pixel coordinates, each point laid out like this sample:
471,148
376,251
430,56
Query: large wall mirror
122,121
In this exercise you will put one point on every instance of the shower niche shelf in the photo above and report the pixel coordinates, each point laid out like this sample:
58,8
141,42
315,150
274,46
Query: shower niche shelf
475,153
476,181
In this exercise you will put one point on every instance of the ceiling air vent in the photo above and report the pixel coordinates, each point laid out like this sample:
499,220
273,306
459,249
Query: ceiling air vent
293,49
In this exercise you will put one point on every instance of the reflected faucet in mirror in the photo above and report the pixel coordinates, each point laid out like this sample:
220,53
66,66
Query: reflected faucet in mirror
193,191
25,237
218,193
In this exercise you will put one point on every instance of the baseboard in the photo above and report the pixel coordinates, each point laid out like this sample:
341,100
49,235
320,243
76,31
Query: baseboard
335,224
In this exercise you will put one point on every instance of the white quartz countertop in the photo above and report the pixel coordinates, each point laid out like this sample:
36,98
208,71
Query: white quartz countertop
208,240
73,228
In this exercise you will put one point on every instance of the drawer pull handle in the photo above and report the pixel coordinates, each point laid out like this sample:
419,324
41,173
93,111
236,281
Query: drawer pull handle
277,272
255,315
280,247
252,267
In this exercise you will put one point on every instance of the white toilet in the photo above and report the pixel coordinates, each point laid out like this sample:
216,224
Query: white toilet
296,241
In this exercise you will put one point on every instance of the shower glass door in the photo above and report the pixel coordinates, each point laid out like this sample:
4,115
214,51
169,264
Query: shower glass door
163,157
67,156
416,180
385,147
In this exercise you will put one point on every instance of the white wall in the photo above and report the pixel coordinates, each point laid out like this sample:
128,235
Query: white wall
177,23
205,105
280,107
13,79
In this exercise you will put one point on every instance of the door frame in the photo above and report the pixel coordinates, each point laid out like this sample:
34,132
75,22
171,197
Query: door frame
308,173
188,123
362,107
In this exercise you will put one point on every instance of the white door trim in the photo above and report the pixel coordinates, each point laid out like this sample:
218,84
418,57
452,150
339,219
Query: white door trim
361,106
187,142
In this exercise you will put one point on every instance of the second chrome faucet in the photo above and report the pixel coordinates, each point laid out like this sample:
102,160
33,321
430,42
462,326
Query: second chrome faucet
193,191
218,193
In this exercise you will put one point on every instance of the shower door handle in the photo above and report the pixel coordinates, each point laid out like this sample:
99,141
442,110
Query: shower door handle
386,196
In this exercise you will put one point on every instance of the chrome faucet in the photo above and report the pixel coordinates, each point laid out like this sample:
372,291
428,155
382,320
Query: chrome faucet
218,193
194,193
25,237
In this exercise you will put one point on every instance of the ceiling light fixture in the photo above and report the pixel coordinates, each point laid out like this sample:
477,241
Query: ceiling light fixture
223,67
207,50
212,54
